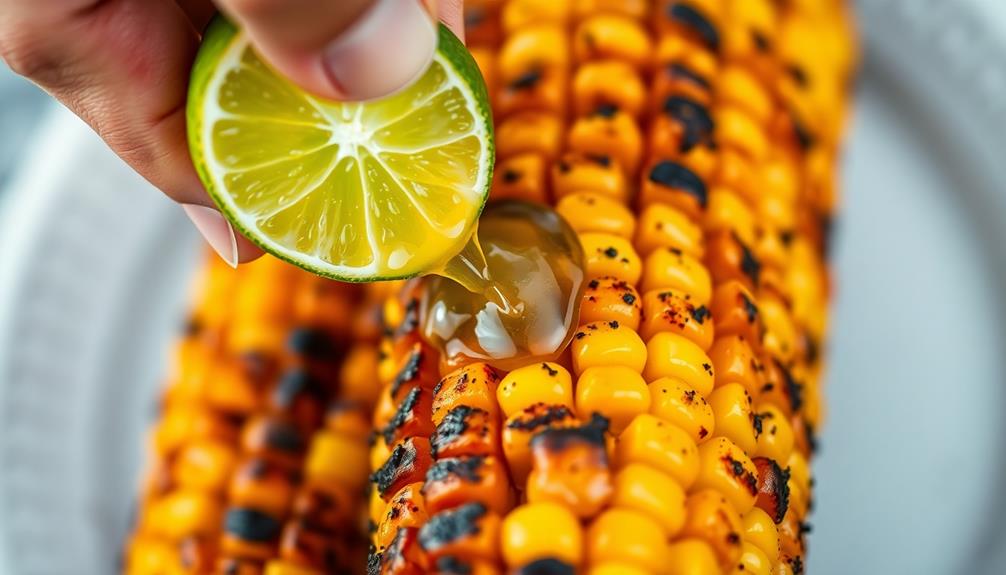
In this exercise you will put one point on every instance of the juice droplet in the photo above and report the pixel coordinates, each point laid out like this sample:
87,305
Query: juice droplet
513,303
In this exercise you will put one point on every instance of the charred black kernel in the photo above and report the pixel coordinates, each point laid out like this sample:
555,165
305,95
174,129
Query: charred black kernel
678,177
402,414
811,434
749,307
448,526
806,528
613,324
373,562
700,314
813,350
749,263
757,422
546,566
284,436
590,433
611,252
594,284
787,237
733,538
629,298
580,335
564,166
794,389
743,475
692,18
551,372
603,161
606,110
408,372
550,415
761,41
804,138
526,81
465,468
452,566
192,328
511,176
796,564
799,75
694,117
295,383
774,481
402,457
251,525
311,343
453,425
682,72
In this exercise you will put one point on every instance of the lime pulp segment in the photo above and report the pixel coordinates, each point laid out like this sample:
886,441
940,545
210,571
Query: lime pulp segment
355,191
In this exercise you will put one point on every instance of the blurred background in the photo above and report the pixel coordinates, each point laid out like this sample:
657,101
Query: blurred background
94,268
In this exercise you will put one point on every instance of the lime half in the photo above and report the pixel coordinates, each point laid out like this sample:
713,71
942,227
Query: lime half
355,191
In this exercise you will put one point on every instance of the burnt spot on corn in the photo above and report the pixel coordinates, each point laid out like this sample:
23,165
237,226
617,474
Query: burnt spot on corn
311,343
448,526
804,138
690,17
629,298
799,75
284,436
745,477
610,252
673,175
694,118
192,328
700,314
796,564
402,414
408,372
453,426
526,81
373,562
606,110
465,468
750,265
452,566
540,415
681,72
295,383
560,439
749,307
548,566
757,422
761,41
251,525
772,488
603,161
794,389
400,460
511,176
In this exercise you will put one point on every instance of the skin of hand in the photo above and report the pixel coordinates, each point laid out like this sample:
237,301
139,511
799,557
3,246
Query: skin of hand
123,67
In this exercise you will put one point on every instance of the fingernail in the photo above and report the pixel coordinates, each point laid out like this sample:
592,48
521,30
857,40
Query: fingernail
216,230
390,45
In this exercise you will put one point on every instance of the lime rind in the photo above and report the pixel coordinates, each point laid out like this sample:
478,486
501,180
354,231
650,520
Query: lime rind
225,50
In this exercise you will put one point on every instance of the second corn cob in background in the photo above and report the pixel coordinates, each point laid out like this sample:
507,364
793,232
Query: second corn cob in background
691,144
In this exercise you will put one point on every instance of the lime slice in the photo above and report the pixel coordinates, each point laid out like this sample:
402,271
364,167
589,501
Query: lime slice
384,189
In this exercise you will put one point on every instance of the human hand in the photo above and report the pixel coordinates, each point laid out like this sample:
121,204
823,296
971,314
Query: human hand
123,67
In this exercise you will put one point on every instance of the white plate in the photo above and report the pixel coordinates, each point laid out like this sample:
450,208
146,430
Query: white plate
94,270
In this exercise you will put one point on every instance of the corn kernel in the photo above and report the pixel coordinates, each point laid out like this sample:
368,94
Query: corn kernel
575,173
753,561
665,446
728,211
775,440
675,401
735,362
661,226
725,468
521,177
760,530
610,255
610,36
627,536
612,568
617,137
655,493
544,46
546,382
597,212
519,14
611,299
336,458
607,343
529,132
666,310
616,392
540,530
669,269
712,518
673,355
692,557
608,83
736,129
731,405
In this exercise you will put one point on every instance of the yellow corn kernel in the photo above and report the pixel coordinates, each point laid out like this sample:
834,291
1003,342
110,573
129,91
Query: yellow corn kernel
546,382
521,177
731,405
736,86
780,338
675,401
692,557
612,568
538,90
627,536
760,531
735,362
632,8
183,514
616,137
655,493
539,530
152,555
518,14
608,83
782,568
735,128
775,440
673,355
541,46
597,212
607,343
575,173
379,453
799,471
616,392
666,310
612,37
712,518
652,441
610,255
358,373
727,210
753,561
520,428
725,468
337,458
671,269
287,568
661,226
376,505
611,299
204,465
529,132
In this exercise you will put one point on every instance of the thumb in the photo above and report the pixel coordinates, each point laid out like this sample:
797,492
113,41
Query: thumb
346,49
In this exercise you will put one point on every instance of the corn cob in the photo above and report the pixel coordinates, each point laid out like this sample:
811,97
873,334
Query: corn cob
234,485
691,144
